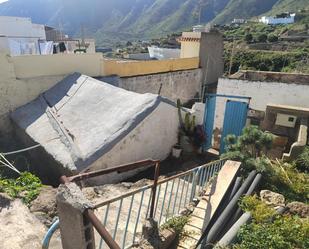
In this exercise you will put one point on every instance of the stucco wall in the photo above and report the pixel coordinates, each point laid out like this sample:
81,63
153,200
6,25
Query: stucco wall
152,138
57,64
93,64
23,78
124,68
15,93
20,26
189,49
262,93
182,84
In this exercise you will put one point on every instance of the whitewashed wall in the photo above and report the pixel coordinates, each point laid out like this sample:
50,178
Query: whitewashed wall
153,138
262,93
21,27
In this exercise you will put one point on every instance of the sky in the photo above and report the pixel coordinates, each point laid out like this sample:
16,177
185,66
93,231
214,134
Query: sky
1,1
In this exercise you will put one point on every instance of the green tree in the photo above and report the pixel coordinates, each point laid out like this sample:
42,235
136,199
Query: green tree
250,148
272,38
248,37
262,37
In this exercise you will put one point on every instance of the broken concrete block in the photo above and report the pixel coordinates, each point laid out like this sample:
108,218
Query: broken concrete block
272,198
299,208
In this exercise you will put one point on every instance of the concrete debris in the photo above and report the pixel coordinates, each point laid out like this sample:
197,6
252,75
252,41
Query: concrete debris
155,238
82,123
19,228
272,198
44,206
298,208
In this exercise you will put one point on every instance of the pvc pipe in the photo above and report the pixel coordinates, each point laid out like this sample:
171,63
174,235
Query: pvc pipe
254,184
236,186
228,196
230,236
49,234
215,227
238,211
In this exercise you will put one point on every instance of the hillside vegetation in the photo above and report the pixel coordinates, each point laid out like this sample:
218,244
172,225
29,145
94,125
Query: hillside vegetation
243,9
256,46
123,20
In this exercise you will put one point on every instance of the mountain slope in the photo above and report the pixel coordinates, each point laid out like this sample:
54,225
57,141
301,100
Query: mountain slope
243,9
137,16
112,20
289,5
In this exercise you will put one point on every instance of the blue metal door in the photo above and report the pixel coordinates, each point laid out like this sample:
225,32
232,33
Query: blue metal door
209,119
234,120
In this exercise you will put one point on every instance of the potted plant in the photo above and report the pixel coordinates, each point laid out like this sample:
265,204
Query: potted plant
191,136
185,130
176,150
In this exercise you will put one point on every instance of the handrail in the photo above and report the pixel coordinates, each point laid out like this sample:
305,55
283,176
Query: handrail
160,182
90,215
169,194
173,194
101,229
120,169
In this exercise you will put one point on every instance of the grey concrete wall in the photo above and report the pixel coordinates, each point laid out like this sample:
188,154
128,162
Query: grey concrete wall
184,85
211,56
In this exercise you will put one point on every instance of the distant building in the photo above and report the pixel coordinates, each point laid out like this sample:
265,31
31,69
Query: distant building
202,28
18,35
53,34
239,21
285,18
163,53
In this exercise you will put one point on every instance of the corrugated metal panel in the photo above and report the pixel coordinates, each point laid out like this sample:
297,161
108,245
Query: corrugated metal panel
234,120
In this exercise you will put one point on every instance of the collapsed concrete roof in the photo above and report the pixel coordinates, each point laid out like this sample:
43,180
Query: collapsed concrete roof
81,118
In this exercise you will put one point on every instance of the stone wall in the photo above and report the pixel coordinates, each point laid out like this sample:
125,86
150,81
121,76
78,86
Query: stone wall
184,85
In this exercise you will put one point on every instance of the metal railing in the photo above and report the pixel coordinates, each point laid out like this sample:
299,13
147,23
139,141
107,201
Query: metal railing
122,216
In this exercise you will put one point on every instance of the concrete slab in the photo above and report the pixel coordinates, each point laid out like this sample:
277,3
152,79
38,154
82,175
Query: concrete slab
81,119
209,204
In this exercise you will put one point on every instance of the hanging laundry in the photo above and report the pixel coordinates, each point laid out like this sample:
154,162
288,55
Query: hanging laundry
62,47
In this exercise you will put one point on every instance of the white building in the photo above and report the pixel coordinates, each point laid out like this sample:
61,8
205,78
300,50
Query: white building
163,53
270,20
18,35
239,21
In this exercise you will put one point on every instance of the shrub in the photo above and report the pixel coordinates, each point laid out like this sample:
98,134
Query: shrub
248,37
249,148
272,38
259,210
283,233
262,37
26,186
285,179
302,162
176,223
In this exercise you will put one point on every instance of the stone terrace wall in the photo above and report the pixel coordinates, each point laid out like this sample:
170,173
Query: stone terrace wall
184,85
